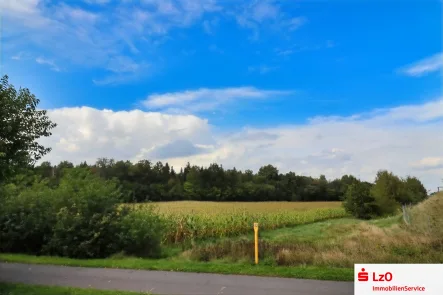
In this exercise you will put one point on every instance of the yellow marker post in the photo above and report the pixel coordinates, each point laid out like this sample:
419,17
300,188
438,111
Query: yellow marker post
256,241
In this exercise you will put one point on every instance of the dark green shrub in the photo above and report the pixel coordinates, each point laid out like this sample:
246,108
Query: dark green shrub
80,218
88,221
141,232
26,218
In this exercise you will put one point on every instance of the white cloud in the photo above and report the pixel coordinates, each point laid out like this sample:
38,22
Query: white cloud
123,70
26,7
50,63
98,2
21,56
425,66
257,14
396,139
75,14
86,134
295,23
429,163
94,34
205,99
89,37
263,10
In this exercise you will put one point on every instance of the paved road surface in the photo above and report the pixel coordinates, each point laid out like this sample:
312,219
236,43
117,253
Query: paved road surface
168,283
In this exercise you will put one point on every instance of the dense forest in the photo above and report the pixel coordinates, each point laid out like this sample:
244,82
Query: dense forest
147,181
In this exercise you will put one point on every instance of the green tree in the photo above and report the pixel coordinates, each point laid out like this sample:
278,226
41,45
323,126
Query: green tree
359,201
268,172
388,192
21,125
414,190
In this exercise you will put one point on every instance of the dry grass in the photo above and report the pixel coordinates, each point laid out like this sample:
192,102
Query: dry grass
216,208
426,218
366,244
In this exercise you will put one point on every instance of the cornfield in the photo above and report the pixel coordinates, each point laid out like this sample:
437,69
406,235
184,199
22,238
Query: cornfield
232,219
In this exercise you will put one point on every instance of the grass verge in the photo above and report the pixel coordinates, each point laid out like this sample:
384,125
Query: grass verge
22,289
221,267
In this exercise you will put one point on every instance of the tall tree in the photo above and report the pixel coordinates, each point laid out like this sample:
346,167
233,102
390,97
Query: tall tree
359,201
388,192
21,125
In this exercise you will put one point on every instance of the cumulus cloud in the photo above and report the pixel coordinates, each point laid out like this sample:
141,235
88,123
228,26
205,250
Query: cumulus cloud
205,99
400,139
86,134
425,66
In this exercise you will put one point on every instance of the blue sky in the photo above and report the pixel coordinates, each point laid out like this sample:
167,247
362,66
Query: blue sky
235,68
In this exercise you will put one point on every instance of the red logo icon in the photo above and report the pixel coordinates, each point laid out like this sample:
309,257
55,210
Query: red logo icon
363,276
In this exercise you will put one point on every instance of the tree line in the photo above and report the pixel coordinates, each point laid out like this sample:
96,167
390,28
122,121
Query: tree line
147,181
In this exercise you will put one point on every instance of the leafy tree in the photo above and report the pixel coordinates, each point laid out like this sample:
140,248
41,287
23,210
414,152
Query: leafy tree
21,125
268,172
414,190
359,201
388,192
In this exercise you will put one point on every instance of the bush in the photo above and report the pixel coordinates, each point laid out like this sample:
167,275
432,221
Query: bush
87,220
79,219
141,232
26,218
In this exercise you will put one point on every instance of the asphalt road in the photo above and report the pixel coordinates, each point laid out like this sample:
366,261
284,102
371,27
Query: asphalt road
168,283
